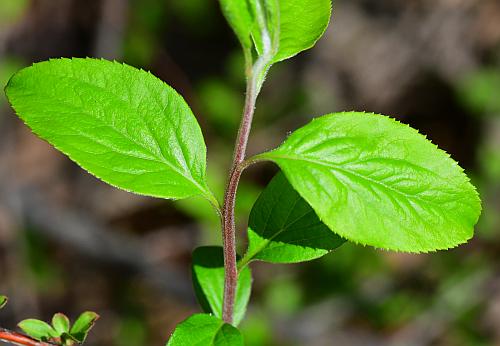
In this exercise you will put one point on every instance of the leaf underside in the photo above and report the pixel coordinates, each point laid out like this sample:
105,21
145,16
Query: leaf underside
208,279
205,330
120,123
283,228
377,182
297,24
240,17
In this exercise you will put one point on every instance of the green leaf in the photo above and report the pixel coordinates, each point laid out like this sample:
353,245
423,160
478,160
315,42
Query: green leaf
37,329
3,301
283,228
378,182
121,124
296,24
82,326
60,322
205,330
239,15
266,30
208,280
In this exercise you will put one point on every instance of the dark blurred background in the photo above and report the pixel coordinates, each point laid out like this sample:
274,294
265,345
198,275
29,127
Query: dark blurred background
69,242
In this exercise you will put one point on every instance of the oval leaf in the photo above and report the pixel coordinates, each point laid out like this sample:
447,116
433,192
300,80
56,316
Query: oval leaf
121,124
60,322
37,329
283,228
378,182
206,330
208,280
297,26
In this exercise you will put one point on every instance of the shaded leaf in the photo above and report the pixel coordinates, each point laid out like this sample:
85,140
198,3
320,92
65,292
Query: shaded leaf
283,228
205,330
378,182
121,124
239,15
208,280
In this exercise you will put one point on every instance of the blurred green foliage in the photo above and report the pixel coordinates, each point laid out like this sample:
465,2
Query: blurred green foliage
480,91
8,67
11,10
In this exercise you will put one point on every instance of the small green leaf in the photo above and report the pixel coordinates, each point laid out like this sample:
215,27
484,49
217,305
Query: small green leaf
3,301
239,15
208,280
378,182
37,329
60,322
206,330
296,24
82,326
283,228
121,124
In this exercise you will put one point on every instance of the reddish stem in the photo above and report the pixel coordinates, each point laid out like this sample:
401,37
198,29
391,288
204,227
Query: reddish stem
228,224
15,338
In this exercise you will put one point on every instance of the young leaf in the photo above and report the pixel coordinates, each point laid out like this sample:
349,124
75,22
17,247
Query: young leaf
60,322
283,228
378,182
121,124
208,280
206,330
3,301
37,329
267,24
296,24
239,15
83,325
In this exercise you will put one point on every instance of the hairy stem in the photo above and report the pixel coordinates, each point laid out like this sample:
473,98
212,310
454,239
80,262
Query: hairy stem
14,338
228,225
255,77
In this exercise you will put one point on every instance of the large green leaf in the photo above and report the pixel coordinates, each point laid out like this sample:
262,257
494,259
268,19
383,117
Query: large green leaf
240,17
378,182
296,24
205,330
208,279
283,228
121,124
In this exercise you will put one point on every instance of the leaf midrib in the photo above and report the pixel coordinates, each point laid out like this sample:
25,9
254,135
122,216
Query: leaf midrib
160,159
274,154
